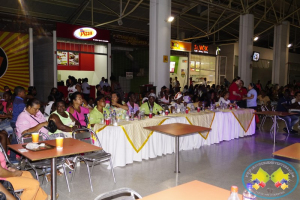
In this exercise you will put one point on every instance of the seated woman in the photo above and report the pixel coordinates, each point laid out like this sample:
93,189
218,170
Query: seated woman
31,119
22,180
5,127
263,98
151,105
77,110
118,105
96,115
165,99
64,121
178,101
132,106
224,99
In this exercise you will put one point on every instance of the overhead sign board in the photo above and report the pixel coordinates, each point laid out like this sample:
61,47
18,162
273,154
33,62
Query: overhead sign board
177,45
200,48
85,33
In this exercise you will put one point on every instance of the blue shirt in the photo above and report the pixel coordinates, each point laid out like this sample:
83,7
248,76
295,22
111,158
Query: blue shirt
18,107
283,101
252,102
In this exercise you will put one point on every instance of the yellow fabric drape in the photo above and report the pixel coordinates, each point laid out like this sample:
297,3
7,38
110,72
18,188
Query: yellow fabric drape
243,116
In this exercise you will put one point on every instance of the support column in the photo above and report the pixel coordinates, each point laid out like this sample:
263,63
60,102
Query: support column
246,47
280,53
159,42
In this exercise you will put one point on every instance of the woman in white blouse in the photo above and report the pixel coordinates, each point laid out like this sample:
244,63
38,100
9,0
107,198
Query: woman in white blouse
224,99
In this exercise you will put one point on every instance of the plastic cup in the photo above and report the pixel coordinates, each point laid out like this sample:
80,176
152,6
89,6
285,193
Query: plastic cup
150,115
59,142
166,112
35,137
187,111
107,122
198,109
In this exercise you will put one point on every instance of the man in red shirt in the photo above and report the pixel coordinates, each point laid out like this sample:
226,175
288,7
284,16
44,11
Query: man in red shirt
234,92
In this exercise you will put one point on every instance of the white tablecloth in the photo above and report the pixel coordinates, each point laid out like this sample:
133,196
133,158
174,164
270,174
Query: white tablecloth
225,127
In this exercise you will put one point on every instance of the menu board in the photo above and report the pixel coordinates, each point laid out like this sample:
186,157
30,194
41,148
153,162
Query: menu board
192,67
62,58
73,59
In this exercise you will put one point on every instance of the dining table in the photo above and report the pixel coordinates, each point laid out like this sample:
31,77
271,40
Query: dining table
70,147
177,130
275,114
193,190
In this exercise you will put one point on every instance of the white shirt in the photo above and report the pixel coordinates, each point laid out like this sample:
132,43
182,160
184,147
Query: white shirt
85,87
224,101
294,100
48,107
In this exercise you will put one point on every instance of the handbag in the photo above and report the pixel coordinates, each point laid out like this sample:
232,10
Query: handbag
10,189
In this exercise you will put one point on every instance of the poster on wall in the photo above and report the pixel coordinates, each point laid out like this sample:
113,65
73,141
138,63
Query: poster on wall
14,65
172,67
62,58
197,65
73,59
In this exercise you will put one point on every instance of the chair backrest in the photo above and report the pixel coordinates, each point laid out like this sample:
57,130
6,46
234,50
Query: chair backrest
5,155
26,138
125,193
86,135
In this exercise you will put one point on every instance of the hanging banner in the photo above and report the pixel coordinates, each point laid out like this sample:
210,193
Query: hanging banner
14,63
177,45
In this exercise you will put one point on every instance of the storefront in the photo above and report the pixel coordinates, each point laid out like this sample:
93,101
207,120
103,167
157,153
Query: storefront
203,64
179,61
82,52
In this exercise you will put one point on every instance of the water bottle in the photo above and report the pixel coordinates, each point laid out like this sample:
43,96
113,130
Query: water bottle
203,106
104,115
234,193
175,107
248,193
221,105
132,115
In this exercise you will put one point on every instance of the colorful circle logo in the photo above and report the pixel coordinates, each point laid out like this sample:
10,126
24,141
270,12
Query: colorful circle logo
3,62
271,178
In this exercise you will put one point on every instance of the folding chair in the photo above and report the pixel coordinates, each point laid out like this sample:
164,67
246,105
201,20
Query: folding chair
124,193
87,135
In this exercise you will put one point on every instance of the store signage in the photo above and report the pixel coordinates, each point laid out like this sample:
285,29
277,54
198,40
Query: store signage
3,62
200,48
82,33
180,46
85,33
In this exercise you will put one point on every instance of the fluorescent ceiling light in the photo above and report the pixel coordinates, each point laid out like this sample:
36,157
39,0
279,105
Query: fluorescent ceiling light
256,38
170,19
289,45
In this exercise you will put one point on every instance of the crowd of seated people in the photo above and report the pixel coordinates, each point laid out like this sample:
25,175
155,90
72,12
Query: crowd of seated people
24,114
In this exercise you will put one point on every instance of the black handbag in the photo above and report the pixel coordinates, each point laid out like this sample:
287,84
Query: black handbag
10,189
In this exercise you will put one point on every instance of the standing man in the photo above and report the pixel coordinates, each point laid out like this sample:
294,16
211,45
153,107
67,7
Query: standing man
18,107
86,89
102,82
234,92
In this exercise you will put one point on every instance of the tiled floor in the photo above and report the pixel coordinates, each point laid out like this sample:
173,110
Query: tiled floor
221,165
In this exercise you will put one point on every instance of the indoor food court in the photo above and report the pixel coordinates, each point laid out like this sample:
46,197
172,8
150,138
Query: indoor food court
149,99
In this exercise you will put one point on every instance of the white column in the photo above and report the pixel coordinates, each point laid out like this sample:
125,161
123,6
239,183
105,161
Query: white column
159,42
280,53
246,47
55,58
31,57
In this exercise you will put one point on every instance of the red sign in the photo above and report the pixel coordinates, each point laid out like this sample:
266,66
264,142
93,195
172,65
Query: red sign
82,33
200,48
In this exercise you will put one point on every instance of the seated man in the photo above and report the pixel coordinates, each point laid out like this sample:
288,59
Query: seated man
151,106
284,103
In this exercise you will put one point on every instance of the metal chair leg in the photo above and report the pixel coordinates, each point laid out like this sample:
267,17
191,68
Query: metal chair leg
75,166
33,168
88,168
92,166
66,177
112,169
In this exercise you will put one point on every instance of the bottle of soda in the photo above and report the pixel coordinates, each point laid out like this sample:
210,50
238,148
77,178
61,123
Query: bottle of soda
234,193
248,193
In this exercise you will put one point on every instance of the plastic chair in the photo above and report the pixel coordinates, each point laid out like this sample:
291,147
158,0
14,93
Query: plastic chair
87,135
121,192
43,164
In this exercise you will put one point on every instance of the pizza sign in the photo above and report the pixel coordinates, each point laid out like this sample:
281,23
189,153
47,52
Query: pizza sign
85,33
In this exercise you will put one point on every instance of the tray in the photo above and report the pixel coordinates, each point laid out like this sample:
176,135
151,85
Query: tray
46,147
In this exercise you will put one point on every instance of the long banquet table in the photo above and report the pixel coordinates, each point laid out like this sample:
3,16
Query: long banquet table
129,141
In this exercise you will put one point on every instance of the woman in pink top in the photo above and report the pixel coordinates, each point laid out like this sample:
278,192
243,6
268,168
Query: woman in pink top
22,180
77,110
31,119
